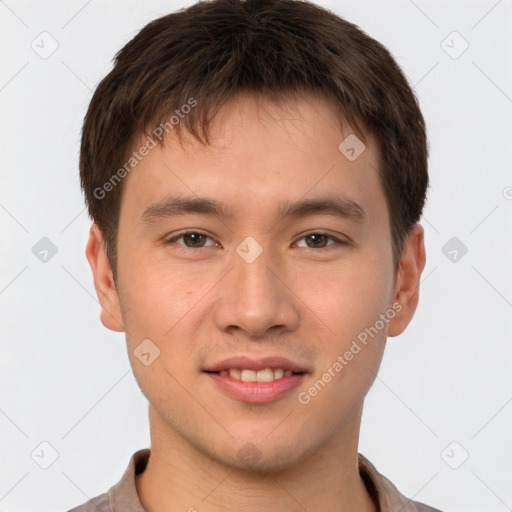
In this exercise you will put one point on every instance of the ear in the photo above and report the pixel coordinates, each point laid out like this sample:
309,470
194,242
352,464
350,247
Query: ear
407,286
104,283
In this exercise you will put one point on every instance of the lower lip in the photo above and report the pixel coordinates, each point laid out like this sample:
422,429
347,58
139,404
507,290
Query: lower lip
257,392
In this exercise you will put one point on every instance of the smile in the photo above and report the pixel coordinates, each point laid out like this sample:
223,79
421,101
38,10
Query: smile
266,375
256,387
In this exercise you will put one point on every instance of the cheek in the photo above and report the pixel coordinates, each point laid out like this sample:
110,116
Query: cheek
356,297
165,304
352,297
157,295
157,305
351,351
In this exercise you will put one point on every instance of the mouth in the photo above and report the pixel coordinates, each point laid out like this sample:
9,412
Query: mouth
247,375
256,381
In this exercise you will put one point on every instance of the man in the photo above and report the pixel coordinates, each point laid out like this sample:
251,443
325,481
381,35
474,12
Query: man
255,171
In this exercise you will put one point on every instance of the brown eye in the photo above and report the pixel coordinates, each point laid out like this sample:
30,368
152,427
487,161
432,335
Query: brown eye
321,241
196,239
191,240
317,240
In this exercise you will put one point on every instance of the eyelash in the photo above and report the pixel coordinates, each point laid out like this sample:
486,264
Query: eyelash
339,243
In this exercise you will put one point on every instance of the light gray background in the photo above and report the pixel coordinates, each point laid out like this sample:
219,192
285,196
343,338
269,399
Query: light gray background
66,380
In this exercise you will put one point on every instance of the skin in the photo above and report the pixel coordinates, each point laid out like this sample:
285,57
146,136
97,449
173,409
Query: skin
302,299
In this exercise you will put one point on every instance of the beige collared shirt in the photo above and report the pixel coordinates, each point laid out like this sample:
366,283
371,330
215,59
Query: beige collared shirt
123,497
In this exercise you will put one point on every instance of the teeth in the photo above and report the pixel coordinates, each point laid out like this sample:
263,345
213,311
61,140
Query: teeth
234,373
266,375
248,376
278,373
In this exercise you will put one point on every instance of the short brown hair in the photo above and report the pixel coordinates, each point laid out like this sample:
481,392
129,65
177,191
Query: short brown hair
205,54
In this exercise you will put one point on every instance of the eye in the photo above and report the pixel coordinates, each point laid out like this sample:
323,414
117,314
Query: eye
197,240
319,240
191,239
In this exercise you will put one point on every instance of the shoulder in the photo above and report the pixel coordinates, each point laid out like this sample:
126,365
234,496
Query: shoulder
121,497
99,504
385,493
421,507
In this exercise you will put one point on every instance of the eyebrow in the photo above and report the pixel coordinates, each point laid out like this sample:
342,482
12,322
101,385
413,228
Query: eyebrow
174,206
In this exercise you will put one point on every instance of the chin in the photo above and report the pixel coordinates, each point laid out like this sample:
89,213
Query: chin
267,463
263,456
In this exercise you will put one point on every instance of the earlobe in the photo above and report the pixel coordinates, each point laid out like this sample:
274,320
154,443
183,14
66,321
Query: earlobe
104,281
406,293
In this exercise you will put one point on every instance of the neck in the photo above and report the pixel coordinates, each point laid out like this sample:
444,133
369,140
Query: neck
179,477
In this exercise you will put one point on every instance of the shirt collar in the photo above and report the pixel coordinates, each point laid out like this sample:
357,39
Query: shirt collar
123,496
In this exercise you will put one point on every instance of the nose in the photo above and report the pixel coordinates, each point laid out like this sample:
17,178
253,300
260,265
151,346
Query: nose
257,298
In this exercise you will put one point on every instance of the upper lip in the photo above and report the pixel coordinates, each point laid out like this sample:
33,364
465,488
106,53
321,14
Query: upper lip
248,363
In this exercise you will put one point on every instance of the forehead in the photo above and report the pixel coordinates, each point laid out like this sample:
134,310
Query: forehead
261,152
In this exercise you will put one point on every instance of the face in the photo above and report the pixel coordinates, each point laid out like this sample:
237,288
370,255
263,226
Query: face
263,279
